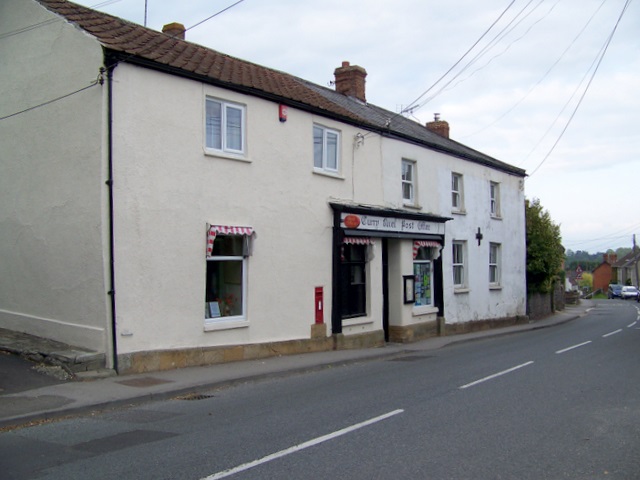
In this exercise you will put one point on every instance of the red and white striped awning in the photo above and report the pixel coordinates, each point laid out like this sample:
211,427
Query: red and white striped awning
417,244
215,230
357,241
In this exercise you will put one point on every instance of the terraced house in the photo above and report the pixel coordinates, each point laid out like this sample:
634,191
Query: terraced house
165,204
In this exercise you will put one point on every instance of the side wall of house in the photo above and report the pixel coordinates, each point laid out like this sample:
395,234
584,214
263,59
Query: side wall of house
51,180
167,189
477,299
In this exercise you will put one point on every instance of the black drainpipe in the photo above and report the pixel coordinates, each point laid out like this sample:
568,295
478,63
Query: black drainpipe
109,183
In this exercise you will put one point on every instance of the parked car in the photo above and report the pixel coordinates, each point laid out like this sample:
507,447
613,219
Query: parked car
629,292
614,291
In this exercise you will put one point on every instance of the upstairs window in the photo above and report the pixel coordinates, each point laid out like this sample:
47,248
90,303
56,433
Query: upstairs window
459,260
225,127
326,144
457,193
408,182
494,193
494,264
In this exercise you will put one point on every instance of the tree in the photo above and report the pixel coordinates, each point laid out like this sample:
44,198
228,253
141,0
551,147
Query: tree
586,281
545,252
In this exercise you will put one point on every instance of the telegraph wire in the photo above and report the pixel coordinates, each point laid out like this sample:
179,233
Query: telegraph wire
214,15
174,36
510,27
595,70
49,21
562,55
498,37
497,40
100,79
411,105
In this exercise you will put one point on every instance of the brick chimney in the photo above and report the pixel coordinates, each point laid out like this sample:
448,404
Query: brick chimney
438,126
175,30
350,80
609,258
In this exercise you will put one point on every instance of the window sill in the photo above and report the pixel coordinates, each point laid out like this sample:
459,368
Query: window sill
326,173
461,290
227,156
214,326
459,212
495,287
352,322
496,217
424,310
412,206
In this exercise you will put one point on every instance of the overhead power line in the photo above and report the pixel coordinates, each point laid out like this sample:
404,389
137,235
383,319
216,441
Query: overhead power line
541,79
100,79
486,32
48,22
601,54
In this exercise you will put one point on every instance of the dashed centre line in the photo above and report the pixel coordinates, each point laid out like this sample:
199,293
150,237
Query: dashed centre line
301,446
611,333
490,377
574,346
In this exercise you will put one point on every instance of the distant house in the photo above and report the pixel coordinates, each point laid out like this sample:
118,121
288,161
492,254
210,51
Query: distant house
168,205
626,269
603,273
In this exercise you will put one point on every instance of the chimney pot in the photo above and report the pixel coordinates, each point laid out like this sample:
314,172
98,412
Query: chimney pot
175,30
350,80
438,126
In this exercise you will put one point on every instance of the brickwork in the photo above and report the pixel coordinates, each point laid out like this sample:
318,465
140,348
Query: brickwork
350,80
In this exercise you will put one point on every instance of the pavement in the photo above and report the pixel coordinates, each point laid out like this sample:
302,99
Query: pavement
32,392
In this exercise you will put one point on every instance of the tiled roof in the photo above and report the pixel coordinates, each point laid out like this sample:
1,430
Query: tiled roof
134,43
628,260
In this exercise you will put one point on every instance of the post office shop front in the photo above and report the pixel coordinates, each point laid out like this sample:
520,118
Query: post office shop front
387,272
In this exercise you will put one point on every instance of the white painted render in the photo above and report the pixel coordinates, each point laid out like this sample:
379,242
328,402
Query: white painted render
52,173
167,189
433,172
54,213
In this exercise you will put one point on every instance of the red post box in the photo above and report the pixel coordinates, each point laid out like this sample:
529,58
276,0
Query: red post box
319,308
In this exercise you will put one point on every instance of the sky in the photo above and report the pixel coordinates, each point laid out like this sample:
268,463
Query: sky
550,86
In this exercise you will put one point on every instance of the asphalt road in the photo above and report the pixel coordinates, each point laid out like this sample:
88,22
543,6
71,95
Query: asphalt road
555,403
18,374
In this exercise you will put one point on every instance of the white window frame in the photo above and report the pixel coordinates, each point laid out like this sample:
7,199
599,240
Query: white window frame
494,194
458,264
409,174
326,134
495,259
226,145
457,192
232,321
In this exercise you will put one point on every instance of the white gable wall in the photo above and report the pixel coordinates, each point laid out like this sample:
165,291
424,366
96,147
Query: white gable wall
52,226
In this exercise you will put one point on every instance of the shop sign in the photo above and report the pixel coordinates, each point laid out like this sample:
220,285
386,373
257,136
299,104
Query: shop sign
390,224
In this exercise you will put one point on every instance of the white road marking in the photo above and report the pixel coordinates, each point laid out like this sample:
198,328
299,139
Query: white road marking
632,324
302,446
575,346
490,377
611,333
